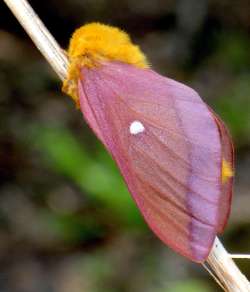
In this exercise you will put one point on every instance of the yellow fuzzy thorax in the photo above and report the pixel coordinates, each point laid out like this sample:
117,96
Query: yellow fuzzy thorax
95,43
227,171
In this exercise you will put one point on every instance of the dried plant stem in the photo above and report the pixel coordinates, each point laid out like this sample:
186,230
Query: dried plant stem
239,256
42,38
219,261
225,269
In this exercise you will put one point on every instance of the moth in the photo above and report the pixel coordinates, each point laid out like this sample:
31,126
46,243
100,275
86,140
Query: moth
174,152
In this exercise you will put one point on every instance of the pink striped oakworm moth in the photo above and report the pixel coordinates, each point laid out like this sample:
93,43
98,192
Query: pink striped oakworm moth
173,151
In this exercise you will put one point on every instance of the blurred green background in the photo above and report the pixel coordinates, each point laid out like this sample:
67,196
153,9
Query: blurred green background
67,222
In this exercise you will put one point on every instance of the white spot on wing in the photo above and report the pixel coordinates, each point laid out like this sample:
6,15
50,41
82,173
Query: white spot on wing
136,127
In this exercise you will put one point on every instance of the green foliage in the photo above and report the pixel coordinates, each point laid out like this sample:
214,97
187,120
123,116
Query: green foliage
234,107
71,228
233,51
98,177
191,285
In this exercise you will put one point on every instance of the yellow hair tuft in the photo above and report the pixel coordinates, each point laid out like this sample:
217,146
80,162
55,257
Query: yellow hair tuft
95,43
227,171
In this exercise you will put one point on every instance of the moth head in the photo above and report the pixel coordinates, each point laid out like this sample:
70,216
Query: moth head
95,43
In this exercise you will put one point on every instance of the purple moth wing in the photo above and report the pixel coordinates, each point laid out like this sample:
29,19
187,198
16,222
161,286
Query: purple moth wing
227,186
172,166
89,114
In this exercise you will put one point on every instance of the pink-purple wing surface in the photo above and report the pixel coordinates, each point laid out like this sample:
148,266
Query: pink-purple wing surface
227,186
172,166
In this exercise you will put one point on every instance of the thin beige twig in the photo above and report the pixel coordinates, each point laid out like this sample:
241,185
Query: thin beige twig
239,256
42,38
217,280
226,270
219,261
